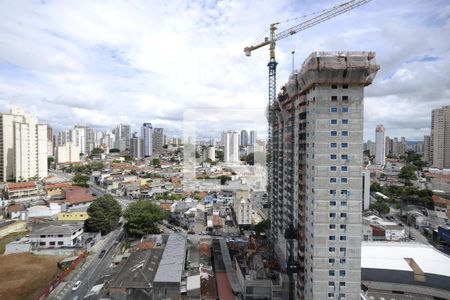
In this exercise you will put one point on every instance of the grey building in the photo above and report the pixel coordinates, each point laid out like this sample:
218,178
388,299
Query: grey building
315,174
244,138
167,282
147,137
158,138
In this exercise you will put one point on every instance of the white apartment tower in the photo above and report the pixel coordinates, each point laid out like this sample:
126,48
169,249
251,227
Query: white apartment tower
231,147
68,153
380,146
253,137
23,147
147,136
440,137
315,176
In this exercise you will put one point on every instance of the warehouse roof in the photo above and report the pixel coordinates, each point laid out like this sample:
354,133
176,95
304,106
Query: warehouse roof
392,256
172,261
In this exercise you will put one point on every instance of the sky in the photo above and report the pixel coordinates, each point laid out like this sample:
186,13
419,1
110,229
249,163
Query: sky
101,63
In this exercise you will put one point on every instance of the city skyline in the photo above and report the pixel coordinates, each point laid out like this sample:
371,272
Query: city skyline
93,70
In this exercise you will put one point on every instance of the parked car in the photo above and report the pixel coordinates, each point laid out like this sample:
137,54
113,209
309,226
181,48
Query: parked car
76,285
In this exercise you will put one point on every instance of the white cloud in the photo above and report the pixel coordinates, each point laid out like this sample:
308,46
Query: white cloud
102,63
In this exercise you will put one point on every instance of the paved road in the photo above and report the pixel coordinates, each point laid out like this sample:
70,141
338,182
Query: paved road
94,269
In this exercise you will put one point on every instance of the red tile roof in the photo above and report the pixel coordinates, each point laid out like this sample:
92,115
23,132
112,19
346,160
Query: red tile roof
15,208
205,250
77,195
58,185
21,185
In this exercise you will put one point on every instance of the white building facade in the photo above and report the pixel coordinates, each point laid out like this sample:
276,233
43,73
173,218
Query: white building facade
23,147
231,147
380,146
68,153
147,137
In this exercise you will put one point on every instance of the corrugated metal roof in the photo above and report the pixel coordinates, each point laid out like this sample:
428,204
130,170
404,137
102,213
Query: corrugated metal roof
172,261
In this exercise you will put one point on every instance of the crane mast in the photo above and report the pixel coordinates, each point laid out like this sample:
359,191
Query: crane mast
322,16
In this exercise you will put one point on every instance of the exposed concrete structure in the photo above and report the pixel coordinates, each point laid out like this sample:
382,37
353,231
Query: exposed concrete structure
316,179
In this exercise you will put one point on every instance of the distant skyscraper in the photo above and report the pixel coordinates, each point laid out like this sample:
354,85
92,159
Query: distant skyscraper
158,138
244,138
23,146
315,174
147,137
231,148
50,145
123,136
440,137
253,137
380,147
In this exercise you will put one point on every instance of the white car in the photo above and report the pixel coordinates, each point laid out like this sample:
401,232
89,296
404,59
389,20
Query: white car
76,285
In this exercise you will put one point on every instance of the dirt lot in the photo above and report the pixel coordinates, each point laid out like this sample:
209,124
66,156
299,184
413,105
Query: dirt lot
24,276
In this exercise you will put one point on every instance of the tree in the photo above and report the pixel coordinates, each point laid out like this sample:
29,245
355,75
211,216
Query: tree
50,161
380,206
375,187
224,179
142,217
97,151
96,166
156,162
114,150
81,180
408,172
219,155
262,226
250,159
104,214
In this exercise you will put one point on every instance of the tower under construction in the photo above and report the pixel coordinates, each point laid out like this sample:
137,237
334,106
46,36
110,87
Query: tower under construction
315,178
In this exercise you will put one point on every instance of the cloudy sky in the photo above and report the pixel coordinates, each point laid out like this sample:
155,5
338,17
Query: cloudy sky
105,62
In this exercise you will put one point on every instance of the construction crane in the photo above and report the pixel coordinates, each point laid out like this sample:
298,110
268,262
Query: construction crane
327,14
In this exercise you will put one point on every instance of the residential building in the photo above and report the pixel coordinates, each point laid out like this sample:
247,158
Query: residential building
71,216
209,153
158,138
57,236
137,147
427,148
231,147
244,138
23,147
380,147
366,189
243,212
440,137
21,191
147,136
315,174
122,137
50,144
83,137
253,137
68,153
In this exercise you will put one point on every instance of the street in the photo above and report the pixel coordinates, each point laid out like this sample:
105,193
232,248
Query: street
93,269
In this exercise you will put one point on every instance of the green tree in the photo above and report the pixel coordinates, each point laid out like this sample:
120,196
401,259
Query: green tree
104,214
114,150
250,159
375,187
224,179
81,180
156,162
219,155
142,217
97,151
380,207
408,172
96,166
262,226
50,161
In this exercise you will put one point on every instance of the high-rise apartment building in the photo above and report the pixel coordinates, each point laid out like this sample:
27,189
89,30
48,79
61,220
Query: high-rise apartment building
147,137
231,147
158,138
123,135
50,144
426,149
315,176
137,147
244,138
380,147
23,147
253,137
440,137
68,153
